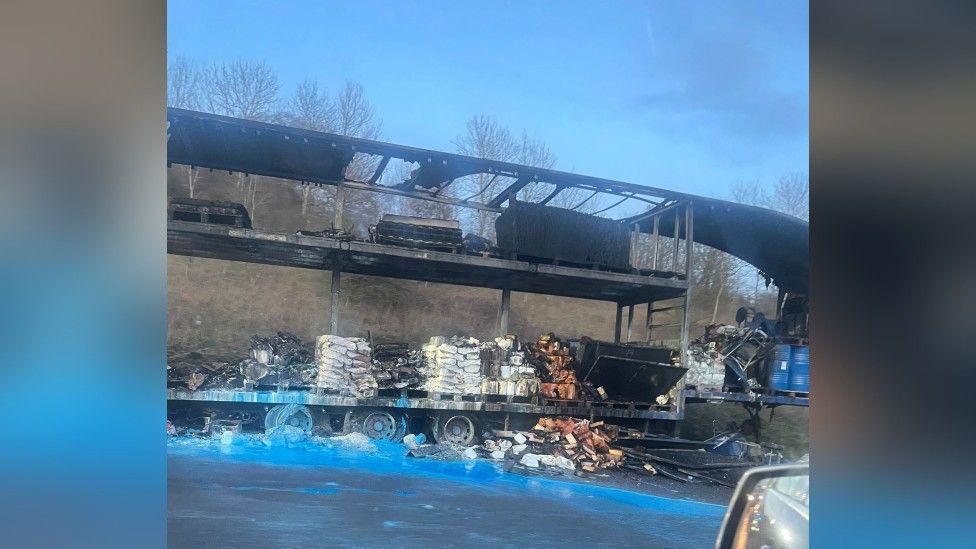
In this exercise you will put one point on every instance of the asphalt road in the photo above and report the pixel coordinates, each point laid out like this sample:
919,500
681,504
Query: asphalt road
250,496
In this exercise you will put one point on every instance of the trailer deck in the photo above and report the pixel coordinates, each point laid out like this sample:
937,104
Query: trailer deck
691,395
367,258
310,398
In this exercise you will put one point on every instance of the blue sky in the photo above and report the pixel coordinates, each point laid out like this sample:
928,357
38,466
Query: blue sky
691,96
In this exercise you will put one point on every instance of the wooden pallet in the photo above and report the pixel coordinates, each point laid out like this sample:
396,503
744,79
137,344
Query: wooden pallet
610,405
510,399
433,395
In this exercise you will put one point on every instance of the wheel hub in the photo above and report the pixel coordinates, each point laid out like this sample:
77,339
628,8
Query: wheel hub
294,415
379,426
458,430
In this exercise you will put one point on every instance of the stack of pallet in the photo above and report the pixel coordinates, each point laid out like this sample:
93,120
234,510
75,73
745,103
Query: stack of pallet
584,442
452,365
559,379
506,370
344,366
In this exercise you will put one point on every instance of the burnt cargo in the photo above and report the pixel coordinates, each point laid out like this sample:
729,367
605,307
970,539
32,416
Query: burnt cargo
214,212
546,232
627,372
418,232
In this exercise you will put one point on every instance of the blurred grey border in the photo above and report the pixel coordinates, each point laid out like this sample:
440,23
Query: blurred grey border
892,199
82,154
82,149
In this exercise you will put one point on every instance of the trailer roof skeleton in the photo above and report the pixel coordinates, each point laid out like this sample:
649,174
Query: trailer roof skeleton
775,243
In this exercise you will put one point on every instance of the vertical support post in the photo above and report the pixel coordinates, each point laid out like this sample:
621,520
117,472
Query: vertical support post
334,322
780,299
634,240
674,251
656,240
650,316
503,315
617,323
630,323
686,320
340,203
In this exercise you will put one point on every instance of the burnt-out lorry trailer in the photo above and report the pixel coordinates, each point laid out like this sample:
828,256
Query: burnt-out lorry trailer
635,249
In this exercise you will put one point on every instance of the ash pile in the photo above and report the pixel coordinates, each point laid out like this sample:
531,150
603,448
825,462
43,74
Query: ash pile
282,360
344,366
452,365
395,366
507,369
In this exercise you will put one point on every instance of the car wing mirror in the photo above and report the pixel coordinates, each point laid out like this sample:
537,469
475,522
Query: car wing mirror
737,526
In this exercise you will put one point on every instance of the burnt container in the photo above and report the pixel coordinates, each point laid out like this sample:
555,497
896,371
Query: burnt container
545,232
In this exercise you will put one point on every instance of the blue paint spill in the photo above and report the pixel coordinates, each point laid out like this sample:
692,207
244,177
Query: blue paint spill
389,460
318,490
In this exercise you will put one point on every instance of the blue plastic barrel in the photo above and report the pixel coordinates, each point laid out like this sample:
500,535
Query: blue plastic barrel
779,368
800,370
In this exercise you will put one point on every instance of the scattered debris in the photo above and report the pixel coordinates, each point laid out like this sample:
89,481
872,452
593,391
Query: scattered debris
351,441
195,371
412,441
582,441
282,360
441,451
283,435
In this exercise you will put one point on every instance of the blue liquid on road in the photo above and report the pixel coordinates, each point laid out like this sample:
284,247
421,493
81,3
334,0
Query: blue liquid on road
249,495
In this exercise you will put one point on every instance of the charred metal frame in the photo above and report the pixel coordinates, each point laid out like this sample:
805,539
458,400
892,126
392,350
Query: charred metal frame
217,142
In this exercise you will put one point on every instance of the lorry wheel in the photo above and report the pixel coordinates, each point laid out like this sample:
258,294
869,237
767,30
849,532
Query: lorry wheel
454,429
383,425
295,415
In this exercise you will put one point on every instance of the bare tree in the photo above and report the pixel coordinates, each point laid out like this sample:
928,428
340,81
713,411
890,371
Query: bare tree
183,92
348,113
485,138
356,117
534,152
241,88
248,186
182,84
716,278
354,114
310,108
791,195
